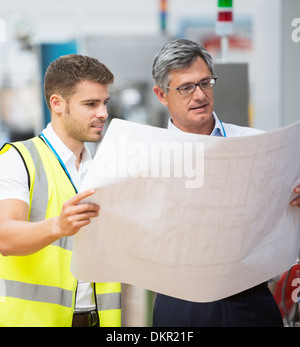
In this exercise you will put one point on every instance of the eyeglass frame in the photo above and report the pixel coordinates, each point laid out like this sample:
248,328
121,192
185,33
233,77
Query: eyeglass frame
195,85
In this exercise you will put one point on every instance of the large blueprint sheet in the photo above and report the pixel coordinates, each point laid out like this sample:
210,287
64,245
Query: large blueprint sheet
220,224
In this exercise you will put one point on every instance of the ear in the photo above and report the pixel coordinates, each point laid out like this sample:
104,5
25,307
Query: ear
57,103
161,95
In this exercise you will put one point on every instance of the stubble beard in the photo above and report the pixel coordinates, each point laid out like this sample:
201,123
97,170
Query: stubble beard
77,132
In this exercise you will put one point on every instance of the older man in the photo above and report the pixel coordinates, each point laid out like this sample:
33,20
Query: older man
184,75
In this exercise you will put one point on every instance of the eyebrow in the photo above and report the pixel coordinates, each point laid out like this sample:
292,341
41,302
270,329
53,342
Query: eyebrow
202,79
93,100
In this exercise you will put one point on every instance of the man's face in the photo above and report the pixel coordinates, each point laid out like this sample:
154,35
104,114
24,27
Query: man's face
86,111
193,112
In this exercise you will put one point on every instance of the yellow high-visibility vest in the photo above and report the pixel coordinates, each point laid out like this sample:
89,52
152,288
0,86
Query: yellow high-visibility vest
39,289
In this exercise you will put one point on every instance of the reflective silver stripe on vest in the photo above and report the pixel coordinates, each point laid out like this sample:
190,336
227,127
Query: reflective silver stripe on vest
65,243
109,301
40,188
40,194
38,293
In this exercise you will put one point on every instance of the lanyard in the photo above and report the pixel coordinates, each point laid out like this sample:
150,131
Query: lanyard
224,132
59,159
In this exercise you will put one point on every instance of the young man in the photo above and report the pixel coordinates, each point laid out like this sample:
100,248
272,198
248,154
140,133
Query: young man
184,75
40,209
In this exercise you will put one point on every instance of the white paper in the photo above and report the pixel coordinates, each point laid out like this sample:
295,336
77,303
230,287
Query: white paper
222,227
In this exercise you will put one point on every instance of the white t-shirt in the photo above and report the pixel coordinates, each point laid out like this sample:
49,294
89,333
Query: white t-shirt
14,185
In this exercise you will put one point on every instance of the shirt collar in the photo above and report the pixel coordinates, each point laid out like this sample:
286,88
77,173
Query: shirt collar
217,131
66,155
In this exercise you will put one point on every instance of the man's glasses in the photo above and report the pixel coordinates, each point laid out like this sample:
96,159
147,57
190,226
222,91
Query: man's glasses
190,88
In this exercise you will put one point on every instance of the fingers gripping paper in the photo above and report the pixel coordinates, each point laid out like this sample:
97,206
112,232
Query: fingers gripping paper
191,216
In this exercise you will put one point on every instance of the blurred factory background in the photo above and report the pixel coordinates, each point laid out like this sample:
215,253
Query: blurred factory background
257,65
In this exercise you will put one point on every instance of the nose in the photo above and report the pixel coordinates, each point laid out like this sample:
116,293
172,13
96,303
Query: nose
102,112
199,93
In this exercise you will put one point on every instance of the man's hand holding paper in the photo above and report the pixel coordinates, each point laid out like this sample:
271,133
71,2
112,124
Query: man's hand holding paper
224,237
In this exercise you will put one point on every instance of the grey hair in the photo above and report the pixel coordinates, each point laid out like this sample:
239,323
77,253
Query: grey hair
175,55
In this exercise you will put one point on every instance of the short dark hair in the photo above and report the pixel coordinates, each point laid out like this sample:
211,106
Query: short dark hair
65,73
